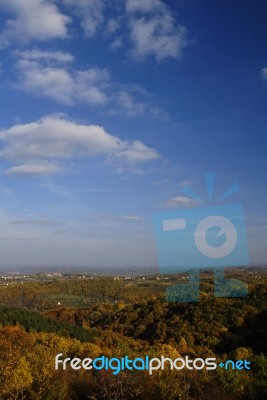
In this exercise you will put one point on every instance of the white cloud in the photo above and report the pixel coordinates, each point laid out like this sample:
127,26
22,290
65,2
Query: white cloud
179,201
38,144
33,169
264,73
157,36
49,74
90,13
137,152
40,74
152,25
154,31
33,20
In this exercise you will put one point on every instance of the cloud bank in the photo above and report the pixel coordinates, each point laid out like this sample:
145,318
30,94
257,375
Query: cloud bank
37,147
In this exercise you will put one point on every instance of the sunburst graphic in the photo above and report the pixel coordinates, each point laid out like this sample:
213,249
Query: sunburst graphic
210,183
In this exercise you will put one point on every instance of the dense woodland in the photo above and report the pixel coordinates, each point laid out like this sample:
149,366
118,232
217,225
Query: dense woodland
117,317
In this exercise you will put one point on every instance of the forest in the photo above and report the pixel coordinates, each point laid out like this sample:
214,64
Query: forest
84,317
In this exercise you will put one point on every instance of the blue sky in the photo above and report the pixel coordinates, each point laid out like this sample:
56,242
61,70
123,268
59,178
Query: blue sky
109,109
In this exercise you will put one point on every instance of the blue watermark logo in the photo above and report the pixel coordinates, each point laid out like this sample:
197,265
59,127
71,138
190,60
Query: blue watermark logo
213,236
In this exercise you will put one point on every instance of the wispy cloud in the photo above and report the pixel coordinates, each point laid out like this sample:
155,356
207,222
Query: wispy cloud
162,182
39,144
48,57
106,223
137,152
33,221
264,73
127,101
112,26
50,74
143,6
33,169
32,20
132,218
90,13
179,201
185,183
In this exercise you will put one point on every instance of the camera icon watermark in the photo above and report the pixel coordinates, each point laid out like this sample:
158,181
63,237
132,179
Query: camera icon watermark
203,237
